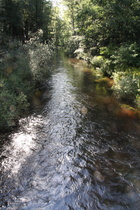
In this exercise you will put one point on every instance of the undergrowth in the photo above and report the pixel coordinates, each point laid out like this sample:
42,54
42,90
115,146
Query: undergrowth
22,68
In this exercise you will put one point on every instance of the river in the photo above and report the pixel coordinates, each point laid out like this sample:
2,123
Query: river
73,152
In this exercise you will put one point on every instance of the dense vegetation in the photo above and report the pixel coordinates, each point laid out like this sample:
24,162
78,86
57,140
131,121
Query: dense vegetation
25,54
105,33
19,18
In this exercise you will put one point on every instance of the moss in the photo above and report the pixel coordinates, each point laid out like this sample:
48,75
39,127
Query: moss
105,81
128,107
129,111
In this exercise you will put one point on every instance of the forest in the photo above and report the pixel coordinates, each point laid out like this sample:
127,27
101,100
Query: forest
103,33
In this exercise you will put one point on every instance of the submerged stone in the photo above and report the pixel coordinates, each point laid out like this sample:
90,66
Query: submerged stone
99,176
84,110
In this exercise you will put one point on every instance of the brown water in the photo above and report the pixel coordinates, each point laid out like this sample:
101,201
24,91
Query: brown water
75,152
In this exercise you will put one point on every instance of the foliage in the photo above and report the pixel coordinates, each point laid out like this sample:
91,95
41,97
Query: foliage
71,13
12,106
105,33
126,55
111,40
107,68
40,61
22,67
137,100
126,85
60,31
71,45
15,88
6,99
97,61
108,26
123,56
20,18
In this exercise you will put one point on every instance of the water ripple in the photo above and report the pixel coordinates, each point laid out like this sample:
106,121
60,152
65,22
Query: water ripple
68,157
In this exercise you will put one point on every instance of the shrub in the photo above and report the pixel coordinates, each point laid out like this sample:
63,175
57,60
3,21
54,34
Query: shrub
126,55
7,116
107,67
137,100
120,58
12,106
97,61
40,61
126,85
21,68
72,45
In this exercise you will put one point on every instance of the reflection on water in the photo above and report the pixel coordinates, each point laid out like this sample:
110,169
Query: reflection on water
78,153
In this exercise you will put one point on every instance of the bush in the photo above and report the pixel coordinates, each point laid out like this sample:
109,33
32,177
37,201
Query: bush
137,100
40,61
12,106
21,68
107,67
97,61
122,57
126,55
72,45
7,116
15,85
126,85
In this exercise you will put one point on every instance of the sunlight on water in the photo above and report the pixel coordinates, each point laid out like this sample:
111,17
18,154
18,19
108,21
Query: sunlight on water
77,154
22,145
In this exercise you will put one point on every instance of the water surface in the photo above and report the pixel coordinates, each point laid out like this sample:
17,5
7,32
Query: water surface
75,152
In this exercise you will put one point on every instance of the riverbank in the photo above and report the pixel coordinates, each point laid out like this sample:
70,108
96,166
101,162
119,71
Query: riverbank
119,108
23,70
119,64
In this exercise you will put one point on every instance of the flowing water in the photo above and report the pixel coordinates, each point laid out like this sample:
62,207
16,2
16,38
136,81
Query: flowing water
74,152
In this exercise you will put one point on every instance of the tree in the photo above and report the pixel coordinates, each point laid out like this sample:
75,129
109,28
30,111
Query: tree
105,22
47,21
19,17
11,18
73,6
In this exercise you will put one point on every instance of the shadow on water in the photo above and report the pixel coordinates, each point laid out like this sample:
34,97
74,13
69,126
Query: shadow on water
77,153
